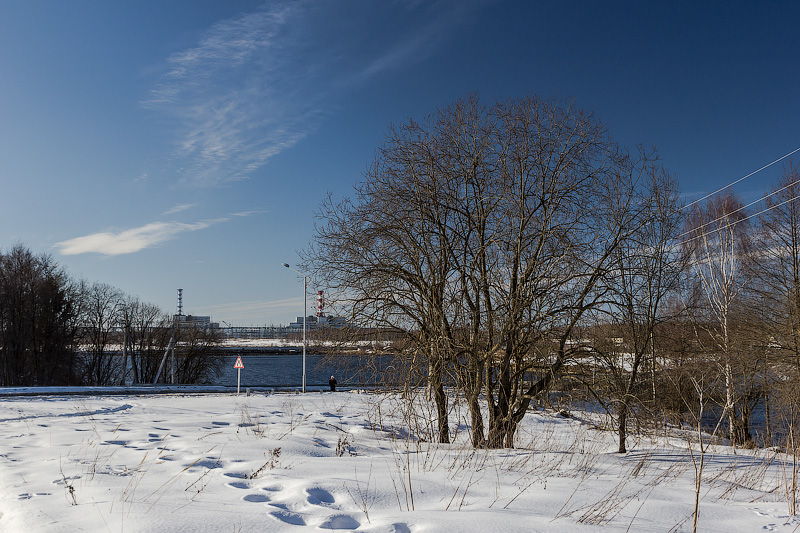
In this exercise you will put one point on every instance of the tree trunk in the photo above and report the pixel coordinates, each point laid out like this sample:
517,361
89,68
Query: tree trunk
740,429
473,387
623,423
436,383
501,433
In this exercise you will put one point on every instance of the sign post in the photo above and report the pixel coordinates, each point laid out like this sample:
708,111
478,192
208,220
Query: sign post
238,366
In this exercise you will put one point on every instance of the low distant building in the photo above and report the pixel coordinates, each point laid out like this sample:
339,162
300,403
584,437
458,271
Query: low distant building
195,321
255,332
317,322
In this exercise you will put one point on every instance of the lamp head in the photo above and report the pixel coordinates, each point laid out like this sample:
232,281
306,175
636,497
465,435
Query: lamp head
286,265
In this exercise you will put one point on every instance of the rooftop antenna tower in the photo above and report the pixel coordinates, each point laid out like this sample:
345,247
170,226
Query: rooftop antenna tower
180,302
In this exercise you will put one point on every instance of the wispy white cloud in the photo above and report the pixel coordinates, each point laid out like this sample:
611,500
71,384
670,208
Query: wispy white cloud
179,209
131,240
230,99
255,85
433,24
137,239
247,213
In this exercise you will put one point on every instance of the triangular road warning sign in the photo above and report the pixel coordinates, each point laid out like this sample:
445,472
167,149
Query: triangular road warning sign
239,363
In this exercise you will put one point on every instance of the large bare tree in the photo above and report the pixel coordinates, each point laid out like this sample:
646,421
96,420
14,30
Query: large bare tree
484,233
557,199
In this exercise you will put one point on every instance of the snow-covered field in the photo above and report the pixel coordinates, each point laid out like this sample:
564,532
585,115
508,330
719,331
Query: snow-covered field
348,461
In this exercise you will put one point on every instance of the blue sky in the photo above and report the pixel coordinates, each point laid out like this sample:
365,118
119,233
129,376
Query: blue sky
154,145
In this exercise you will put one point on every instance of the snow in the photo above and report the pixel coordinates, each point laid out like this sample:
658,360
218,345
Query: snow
287,343
192,462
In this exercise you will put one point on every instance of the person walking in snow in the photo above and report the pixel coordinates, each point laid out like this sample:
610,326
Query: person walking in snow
332,383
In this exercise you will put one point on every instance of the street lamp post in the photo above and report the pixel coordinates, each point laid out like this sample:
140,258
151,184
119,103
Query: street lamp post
305,314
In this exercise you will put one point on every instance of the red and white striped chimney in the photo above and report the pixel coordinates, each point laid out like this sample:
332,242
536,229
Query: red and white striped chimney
320,304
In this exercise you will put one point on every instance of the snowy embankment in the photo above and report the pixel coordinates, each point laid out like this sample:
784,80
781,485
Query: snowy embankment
347,461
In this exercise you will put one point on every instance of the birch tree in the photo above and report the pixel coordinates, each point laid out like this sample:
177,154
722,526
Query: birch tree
717,239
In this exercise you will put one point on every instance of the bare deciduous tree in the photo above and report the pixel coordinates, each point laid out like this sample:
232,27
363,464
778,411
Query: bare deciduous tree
776,267
101,316
484,234
139,321
645,269
718,241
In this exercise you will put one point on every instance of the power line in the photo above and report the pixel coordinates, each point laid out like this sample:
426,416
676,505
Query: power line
742,178
742,220
792,184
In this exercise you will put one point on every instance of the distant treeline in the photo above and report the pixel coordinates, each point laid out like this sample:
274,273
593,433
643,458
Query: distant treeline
55,330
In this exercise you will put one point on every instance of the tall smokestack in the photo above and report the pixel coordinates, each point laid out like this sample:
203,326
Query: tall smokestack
320,304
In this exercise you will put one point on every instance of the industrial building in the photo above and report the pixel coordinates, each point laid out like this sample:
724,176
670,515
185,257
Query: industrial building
313,323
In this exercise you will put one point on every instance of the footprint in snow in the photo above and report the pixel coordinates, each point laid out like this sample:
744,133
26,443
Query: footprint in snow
288,517
60,481
28,495
318,496
209,463
256,498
